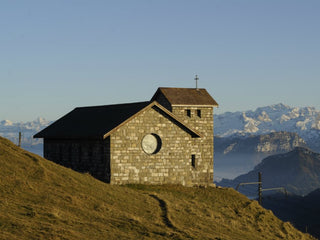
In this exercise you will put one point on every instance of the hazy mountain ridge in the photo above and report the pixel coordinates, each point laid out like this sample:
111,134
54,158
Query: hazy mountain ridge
298,171
304,121
238,155
274,142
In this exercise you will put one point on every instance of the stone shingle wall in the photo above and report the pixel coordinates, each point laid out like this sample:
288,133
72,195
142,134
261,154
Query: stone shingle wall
201,119
172,164
92,156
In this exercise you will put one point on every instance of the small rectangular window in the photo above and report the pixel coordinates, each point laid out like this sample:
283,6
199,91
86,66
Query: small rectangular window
199,113
193,160
188,112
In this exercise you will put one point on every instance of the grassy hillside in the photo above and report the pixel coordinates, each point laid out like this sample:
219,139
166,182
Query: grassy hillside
42,200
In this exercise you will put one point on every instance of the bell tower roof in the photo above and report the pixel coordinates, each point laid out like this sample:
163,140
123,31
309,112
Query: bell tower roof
185,96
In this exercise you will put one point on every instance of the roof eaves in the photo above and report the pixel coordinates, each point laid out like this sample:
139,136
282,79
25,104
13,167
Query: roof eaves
195,105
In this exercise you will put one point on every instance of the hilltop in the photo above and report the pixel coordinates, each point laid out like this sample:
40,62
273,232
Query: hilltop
10,130
298,171
42,200
238,155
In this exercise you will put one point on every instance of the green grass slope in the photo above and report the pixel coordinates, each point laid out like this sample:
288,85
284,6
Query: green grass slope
42,200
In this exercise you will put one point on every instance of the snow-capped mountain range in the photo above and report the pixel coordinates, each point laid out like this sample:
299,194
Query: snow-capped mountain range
304,121
10,130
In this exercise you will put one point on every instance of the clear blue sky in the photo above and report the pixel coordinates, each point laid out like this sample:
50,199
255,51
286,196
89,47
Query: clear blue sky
57,55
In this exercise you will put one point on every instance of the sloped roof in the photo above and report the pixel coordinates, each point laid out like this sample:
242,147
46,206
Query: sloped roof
91,122
98,122
186,96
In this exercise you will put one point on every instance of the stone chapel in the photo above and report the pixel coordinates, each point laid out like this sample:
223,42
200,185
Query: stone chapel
168,139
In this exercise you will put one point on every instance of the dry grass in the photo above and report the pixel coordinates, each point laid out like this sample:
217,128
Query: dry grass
42,200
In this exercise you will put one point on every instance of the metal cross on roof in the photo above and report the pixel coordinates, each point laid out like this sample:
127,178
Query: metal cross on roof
196,78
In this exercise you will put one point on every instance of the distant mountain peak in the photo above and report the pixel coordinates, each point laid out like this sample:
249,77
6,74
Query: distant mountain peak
299,153
274,142
280,106
10,130
273,107
314,194
6,123
302,150
305,151
305,121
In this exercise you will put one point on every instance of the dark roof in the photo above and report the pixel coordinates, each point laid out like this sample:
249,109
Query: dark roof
99,121
186,96
91,122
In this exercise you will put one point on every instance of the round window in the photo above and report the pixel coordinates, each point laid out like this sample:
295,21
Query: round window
151,143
